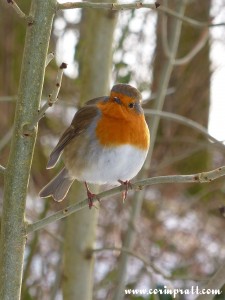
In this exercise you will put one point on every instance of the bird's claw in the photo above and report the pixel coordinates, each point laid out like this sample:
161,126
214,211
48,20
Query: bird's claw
128,186
91,197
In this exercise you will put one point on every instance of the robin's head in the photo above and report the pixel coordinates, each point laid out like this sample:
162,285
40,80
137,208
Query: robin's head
125,100
126,91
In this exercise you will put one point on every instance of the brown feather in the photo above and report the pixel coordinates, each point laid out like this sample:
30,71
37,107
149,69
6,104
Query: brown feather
58,187
80,123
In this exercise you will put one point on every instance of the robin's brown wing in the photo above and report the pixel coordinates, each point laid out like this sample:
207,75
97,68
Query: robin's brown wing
80,123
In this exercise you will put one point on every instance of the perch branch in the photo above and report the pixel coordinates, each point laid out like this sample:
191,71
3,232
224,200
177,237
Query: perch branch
138,185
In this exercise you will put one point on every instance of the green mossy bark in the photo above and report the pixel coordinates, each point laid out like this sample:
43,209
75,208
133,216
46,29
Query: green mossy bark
13,229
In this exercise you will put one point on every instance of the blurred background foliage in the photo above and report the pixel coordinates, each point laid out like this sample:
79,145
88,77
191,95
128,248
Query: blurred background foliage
180,228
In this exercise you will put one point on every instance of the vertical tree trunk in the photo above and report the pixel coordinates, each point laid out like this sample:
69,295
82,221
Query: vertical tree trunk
13,229
191,97
95,55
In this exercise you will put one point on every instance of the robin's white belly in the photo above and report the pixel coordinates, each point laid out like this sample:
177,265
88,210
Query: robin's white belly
109,165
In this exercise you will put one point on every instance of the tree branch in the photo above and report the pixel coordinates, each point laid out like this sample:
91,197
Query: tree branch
49,58
6,138
216,282
2,170
186,121
138,185
53,97
137,5
12,243
8,98
111,6
17,9
195,50
146,263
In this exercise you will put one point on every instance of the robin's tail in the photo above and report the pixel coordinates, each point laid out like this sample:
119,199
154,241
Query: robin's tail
58,187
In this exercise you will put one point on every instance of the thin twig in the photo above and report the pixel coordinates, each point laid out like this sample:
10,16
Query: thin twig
164,36
112,6
215,283
174,159
185,121
153,96
54,95
17,9
51,99
6,138
185,19
49,58
195,50
137,5
8,98
2,169
138,185
146,263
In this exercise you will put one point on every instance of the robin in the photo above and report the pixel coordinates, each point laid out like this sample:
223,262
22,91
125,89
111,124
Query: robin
107,142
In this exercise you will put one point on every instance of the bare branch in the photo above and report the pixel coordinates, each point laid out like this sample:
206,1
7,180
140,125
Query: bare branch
53,97
195,50
17,9
165,44
146,263
49,58
216,282
8,98
137,5
185,19
138,185
111,6
170,91
6,138
2,170
185,121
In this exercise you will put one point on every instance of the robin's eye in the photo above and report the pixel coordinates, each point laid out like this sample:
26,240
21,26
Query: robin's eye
117,100
131,105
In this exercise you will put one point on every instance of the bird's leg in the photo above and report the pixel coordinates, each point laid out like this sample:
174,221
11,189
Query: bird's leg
128,186
90,196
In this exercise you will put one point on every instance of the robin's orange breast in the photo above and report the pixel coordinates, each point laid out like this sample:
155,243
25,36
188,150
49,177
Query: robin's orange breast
130,129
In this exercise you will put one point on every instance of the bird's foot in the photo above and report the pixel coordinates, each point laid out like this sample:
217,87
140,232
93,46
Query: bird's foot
128,186
91,197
